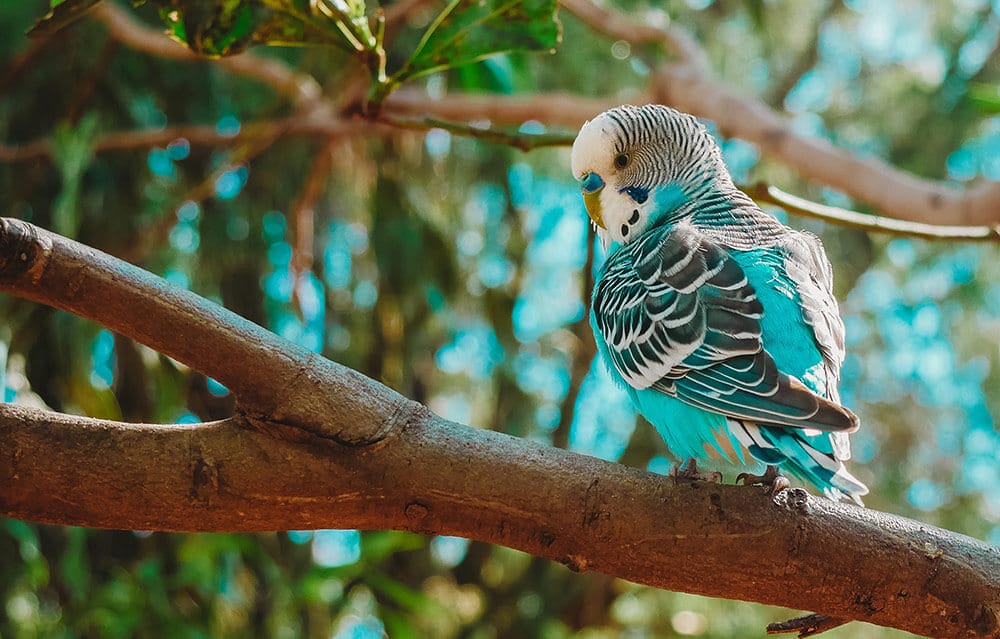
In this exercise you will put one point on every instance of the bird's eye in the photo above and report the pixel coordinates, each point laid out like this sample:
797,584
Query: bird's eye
621,160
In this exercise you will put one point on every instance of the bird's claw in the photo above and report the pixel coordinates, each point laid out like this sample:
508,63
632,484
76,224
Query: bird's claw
690,473
771,478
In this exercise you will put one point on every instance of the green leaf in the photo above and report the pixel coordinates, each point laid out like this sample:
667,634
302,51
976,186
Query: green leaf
985,97
215,29
73,565
757,12
72,151
377,545
405,597
469,30
227,27
352,21
62,13
398,626
494,75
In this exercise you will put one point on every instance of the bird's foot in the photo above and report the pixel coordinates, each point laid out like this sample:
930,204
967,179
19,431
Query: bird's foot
806,626
690,473
771,478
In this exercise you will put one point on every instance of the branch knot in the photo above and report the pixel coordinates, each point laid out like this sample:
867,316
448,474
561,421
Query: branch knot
22,250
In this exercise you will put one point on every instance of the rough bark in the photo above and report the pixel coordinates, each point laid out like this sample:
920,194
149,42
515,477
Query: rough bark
316,445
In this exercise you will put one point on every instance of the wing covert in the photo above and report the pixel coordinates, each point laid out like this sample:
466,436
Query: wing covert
678,314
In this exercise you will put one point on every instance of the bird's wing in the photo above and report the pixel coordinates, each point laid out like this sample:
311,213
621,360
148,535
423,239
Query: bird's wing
677,314
808,267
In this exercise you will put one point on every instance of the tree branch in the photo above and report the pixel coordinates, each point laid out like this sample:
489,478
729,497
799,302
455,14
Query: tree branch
688,86
301,88
892,192
519,140
336,128
272,379
304,215
763,193
317,445
685,83
315,123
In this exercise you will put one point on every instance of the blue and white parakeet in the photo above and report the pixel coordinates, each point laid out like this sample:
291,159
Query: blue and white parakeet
719,321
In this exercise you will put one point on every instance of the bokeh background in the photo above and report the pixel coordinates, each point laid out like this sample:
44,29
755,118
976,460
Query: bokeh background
455,271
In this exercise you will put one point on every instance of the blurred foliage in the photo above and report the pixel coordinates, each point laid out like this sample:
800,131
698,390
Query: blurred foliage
468,31
464,31
454,270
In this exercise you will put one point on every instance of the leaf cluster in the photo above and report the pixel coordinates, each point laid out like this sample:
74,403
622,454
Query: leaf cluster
465,31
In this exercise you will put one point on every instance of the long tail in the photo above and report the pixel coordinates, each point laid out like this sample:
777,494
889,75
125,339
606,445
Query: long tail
813,458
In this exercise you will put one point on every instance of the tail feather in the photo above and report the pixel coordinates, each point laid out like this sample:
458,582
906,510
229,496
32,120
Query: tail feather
801,456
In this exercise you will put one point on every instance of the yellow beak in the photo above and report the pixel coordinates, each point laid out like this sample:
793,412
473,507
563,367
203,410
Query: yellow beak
593,203
592,185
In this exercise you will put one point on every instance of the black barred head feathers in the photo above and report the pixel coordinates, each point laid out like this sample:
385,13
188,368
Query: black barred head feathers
637,164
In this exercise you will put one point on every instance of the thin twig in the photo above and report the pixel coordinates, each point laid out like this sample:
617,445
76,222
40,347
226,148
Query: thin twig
877,224
807,626
519,140
197,135
303,214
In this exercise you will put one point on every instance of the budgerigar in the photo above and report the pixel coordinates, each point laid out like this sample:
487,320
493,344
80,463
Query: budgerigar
719,321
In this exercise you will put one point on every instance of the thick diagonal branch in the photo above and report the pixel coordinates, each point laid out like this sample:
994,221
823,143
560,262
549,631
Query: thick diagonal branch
326,447
271,378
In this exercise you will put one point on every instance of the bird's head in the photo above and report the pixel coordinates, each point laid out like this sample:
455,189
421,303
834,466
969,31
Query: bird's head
637,165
